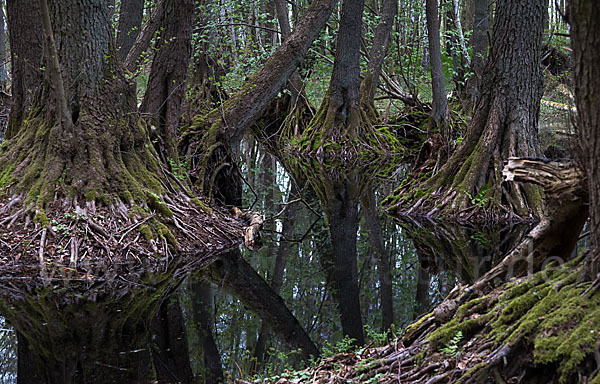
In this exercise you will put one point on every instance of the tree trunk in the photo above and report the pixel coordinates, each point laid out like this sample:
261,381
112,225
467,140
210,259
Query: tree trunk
131,14
439,112
585,37
479,43
169,344
505,123
422,293
202,316
164,96
241,280
143,39
377,52
372,221
26,51
3,71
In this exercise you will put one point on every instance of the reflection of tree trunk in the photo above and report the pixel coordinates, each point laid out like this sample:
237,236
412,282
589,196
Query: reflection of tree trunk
422,296
283,252
27,367
241,280
202,316
169,344
369,209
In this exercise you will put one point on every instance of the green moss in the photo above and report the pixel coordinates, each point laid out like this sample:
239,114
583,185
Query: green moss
41,218
468,327
6,176
156,204
164,232
146,232
91,195
201,205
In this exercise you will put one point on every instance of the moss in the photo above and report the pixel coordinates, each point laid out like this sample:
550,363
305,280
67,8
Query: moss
6,176
468,327
164,232
201,205
156,204
146,231
472,306
417,324
41,218
91,195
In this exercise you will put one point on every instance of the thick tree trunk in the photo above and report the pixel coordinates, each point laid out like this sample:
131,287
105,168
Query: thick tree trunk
239,278
164,96
439,112
585,38
203,318
504,125
131,14
169,344
26,50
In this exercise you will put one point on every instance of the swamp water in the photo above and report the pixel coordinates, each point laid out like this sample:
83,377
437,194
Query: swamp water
69,331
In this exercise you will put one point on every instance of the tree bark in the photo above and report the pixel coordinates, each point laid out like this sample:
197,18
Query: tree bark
169,344
479,43
3,71
239,278
378,51
439,112
585,37
164,96
26,52
131,14
143,39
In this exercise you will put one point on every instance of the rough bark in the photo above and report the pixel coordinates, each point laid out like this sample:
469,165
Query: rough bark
26,51
131,14
377,53
166,89
239,278
143,39
504,124
202,316
585,37
169,344
439,112
372,221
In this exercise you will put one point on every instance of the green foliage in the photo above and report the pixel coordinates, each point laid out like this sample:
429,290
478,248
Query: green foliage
451,349
344,345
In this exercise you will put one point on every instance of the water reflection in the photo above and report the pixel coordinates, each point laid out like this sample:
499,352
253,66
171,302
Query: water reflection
466,251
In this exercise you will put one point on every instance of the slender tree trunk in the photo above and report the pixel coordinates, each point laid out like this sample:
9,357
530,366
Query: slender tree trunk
422,294
202,316
131,14
3,71
585,39
169,344
369,209
164,96
439,111
143,39
378,51
26,51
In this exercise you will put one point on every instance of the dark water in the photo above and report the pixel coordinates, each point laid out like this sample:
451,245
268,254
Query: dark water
106,339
